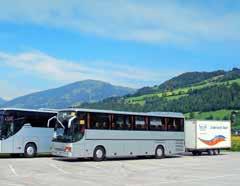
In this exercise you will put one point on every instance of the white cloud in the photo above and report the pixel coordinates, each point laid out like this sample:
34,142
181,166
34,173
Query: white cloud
40,65
144,21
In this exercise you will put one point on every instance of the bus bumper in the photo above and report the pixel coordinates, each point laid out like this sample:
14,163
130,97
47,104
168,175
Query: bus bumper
61,149
62,153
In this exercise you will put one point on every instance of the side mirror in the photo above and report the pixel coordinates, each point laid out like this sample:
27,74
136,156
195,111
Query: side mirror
71,120
52,118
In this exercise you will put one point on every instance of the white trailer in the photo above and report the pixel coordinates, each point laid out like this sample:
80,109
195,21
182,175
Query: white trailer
207,136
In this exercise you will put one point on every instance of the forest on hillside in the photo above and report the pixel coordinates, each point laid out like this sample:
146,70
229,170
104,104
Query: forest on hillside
225,96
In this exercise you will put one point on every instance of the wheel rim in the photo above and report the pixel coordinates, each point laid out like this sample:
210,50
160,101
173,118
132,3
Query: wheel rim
30,151
99,153
159,152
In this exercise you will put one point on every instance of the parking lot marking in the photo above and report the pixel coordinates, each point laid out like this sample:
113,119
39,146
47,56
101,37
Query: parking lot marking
196,180
10,184
58,168
12,170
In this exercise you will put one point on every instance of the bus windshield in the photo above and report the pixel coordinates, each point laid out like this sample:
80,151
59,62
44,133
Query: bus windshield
63,132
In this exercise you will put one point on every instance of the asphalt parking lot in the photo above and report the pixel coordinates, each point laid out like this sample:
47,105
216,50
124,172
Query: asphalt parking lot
188,170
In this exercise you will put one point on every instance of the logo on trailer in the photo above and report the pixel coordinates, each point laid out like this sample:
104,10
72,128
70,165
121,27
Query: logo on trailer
214,141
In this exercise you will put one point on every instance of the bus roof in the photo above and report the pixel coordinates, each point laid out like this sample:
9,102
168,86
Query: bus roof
30,110
157,114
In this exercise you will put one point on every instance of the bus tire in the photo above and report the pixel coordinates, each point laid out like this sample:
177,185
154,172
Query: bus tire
30,150
159,152
194,153
199,153
99,153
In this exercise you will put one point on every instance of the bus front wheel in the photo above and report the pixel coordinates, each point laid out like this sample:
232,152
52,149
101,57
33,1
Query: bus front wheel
30,150
99,154
159,152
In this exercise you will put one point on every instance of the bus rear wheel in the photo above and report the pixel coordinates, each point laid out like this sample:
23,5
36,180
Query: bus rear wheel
159,152
99,154
196,153
30,150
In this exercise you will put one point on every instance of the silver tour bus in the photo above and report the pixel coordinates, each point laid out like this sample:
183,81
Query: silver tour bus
100,134
25,131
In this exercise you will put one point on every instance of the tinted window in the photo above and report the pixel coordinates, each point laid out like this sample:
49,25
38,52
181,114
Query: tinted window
121,122
140,123
156,123
175,124
37,119
128,123
99,121
118,122
180,124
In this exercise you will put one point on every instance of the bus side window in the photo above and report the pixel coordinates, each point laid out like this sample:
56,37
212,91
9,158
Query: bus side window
182,125
119,122
156,124
173,124
169,124
99,121
128,123
140,123
179,122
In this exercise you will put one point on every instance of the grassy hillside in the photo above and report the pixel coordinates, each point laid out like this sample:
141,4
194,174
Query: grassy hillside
180,92
235,143
211,95
212,115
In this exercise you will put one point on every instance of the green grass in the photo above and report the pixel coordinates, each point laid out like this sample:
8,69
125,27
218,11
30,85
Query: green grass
235,143
214,115
178,93
176,97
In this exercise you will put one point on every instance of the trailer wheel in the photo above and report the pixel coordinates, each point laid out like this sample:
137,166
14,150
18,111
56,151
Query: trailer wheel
99,153
210,152
30,150
215,152
159,152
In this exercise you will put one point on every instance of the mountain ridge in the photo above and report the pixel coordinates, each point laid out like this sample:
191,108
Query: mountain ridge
70,94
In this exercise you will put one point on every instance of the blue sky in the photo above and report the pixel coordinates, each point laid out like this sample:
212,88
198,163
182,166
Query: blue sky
46,44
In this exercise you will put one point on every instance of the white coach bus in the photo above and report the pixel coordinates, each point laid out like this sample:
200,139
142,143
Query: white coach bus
25,131
100,134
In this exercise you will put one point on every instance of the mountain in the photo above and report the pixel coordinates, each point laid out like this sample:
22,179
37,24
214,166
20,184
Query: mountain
201,95
2,101
69,95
